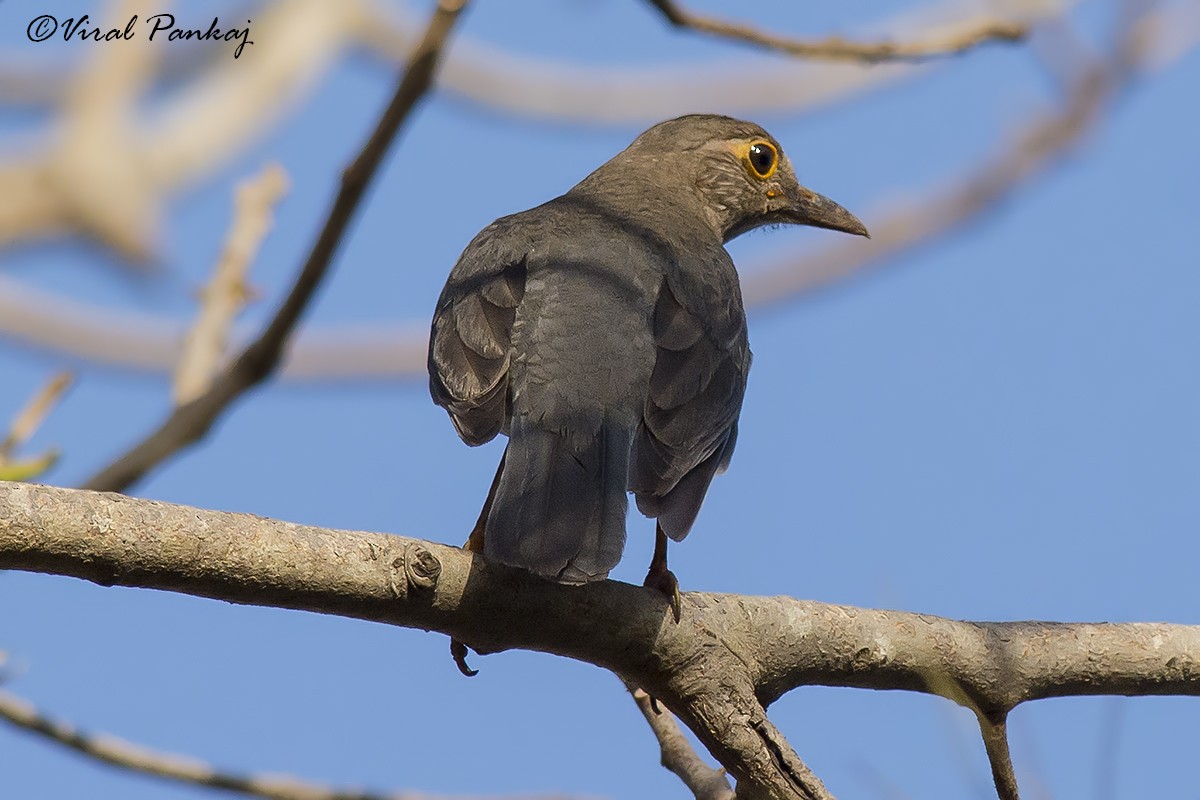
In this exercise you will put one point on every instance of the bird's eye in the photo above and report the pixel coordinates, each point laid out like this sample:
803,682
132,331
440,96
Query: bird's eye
763,158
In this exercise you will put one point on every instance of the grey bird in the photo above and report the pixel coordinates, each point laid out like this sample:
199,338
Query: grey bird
604,333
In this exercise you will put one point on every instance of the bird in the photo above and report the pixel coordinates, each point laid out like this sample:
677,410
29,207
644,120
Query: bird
603,332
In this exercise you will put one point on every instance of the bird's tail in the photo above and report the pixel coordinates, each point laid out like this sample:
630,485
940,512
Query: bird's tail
559,508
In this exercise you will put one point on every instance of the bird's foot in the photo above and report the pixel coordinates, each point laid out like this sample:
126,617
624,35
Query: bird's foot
459,652
664,581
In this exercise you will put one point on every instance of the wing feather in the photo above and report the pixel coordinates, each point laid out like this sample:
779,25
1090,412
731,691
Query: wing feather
470,343
689,423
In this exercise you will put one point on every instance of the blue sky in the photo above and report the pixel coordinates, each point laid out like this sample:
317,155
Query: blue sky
1002,425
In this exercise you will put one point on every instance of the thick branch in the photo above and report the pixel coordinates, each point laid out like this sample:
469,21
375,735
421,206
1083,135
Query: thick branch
707,668
192,421
966,36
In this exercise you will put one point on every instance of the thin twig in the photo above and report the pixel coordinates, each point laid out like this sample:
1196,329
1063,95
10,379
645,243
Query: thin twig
225,295
995,740
970,35
34,413
187,769
678,756
190,422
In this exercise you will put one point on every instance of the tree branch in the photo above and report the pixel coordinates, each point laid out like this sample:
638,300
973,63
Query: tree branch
677,754
192,421
995,741
971,33
30,418
185,769
717,669
222,299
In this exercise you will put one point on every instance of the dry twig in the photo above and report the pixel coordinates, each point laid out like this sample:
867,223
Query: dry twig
943,43
677,754
226,293
190,422
30,418
23,427
186,769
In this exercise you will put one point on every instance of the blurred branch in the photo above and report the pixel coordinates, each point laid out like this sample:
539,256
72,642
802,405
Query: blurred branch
225,295
112,184
388,351
968,34
1037,147
25,425
232,103
111,750
540,87
30,468
89,179
31,417
569,92
717,669
678,756
107,172
191,422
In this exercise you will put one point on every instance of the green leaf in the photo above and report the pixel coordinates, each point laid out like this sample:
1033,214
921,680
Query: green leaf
29,468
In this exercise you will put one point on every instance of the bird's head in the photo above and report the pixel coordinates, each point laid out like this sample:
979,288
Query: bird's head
739,174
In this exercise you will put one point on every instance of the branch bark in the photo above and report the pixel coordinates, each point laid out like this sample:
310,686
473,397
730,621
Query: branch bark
995,741
718,669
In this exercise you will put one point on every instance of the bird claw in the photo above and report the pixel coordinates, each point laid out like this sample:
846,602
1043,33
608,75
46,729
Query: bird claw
459,652
664,581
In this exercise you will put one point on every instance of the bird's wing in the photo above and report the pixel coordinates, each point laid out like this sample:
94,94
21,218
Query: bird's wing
689,424
470,344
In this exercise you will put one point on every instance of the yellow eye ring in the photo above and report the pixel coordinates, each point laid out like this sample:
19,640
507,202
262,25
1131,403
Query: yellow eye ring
762,159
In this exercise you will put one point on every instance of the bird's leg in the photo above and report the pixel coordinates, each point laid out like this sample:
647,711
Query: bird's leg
475,540
659,577
474,544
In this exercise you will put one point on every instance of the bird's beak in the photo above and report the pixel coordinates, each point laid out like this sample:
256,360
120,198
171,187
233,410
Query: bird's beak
817,211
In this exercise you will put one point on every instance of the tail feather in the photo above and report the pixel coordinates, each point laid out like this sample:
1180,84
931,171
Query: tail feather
676,510
560,506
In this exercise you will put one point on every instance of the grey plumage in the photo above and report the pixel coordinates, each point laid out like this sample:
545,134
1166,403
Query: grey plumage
604,333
